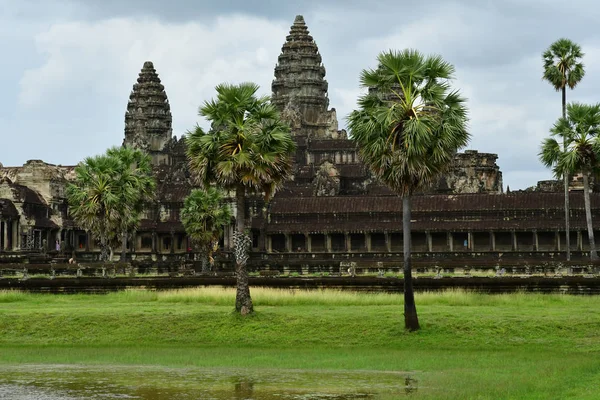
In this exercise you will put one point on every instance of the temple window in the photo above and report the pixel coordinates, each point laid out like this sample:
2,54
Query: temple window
146,242
81,239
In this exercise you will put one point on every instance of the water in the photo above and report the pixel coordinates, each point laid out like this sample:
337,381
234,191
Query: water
68,382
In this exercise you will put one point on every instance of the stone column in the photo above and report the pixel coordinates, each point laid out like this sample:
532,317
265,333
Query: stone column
579,240
49,242
471,241
328,242
388,242
450,242
368,241
536,241
309,243
88,238
16,236
154,242
429,241
60,238
288,243
8,235
513,236
269,244
2,235
557,240
348,240
172,243
492,241
134,242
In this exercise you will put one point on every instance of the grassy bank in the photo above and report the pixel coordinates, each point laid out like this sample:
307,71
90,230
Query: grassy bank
492,346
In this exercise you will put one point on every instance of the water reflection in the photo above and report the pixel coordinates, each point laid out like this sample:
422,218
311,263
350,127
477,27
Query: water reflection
59,382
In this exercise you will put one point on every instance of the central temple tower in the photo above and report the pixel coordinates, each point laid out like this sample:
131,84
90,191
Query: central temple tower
300,89
148,120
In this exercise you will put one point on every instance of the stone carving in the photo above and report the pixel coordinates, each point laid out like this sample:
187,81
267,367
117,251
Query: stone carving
291,114
472,172
327,180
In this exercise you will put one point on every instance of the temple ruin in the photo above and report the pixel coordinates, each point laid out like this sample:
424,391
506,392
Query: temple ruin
332,211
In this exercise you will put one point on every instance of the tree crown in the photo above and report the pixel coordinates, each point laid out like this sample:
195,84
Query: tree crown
204,215
411,123
109,191
247,143
562,64
579,131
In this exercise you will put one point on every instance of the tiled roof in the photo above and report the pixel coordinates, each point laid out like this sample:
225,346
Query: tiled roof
460,202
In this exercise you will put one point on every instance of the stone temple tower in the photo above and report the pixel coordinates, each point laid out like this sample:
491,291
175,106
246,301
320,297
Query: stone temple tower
148,120
300,89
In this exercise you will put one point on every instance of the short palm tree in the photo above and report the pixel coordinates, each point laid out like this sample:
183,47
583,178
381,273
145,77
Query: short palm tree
579,132
247,149
136,177
408,129
204,216
563,68
107,194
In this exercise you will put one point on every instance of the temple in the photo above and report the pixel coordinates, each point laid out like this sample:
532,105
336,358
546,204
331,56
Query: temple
333,211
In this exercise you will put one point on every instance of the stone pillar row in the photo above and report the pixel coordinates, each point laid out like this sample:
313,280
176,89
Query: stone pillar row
450,245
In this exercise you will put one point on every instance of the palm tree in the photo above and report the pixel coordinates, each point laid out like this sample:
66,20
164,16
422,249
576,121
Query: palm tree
247,149
581,152
204,215
408,129
135,176
563,68
107,194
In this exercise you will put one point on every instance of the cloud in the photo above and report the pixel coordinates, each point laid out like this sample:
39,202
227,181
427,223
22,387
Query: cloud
75,61
91,67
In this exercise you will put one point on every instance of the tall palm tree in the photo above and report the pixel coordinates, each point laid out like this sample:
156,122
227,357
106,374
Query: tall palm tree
108,193
579,133
563,68
204,215
408,129
247,149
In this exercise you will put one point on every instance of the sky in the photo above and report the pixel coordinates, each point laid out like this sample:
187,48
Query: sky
67,66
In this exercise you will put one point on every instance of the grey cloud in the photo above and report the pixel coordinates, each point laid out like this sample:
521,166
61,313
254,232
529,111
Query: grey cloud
496,47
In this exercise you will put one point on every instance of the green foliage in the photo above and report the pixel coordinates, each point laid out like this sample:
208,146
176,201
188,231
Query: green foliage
204,215
562,65
472,345
247,144
109,191
248,148
411,123
581,146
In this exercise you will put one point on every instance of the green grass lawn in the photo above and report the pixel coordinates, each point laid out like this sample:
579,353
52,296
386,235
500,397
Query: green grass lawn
517,346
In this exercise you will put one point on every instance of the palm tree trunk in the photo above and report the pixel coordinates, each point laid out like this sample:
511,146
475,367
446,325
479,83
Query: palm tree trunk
104,252
243,301
411,320
566,182
588,217
124,246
